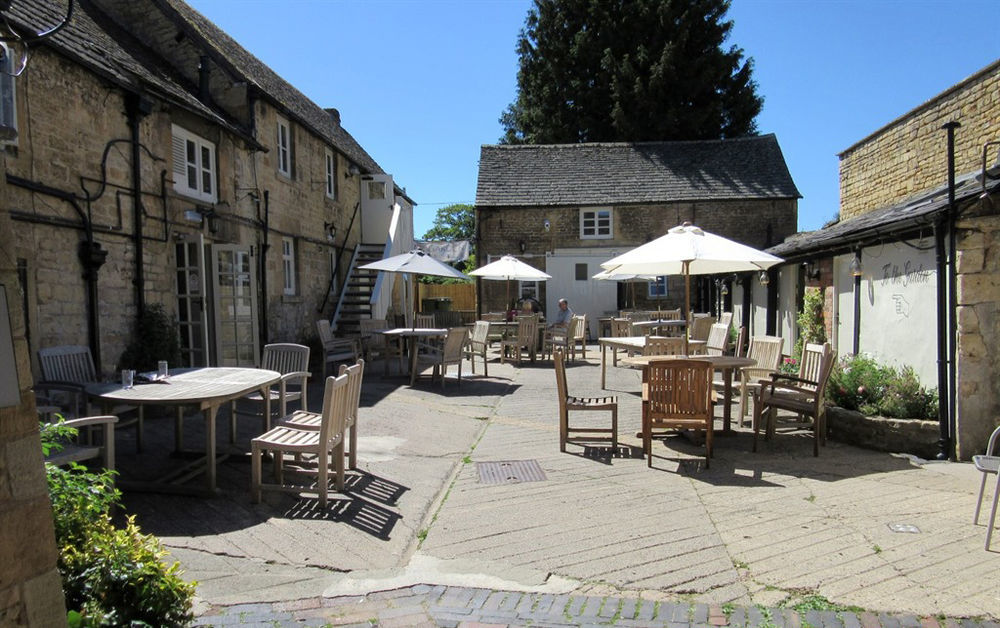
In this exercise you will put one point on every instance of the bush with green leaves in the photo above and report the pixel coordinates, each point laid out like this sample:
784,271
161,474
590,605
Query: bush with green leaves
111,576
153,339
860,383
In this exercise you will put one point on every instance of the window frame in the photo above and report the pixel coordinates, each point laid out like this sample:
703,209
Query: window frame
592,214
658,288
288,265
283,146
528,289
183,167
8,95
331,175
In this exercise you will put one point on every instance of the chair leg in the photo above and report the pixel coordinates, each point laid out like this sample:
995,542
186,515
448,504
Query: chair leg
322,471
255,454
563,428
979,500
614,428
486,365
993,513
139,429
755,422
353,454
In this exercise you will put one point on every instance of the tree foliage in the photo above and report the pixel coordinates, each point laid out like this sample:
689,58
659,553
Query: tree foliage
453,222
630,70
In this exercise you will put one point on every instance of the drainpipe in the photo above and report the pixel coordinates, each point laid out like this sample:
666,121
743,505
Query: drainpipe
946,300
771,318
262,323
136,107
856,348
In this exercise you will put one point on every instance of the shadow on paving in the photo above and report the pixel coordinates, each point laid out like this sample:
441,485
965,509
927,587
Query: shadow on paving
377,388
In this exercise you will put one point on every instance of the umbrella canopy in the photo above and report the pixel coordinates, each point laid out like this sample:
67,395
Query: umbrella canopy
688,250
629,278
415,262
509,267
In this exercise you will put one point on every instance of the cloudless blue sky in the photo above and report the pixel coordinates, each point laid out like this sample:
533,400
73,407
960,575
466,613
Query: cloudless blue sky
421,84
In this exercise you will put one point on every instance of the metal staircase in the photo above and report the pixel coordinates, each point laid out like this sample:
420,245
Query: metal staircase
355,298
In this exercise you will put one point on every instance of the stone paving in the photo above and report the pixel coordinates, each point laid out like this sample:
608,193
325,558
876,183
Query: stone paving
417,540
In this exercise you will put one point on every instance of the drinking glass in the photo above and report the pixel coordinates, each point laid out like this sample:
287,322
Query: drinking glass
162,371
127,378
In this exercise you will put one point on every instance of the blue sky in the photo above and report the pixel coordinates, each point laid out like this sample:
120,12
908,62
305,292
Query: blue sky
421,84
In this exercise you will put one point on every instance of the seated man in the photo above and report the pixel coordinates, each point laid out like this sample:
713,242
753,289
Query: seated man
562,316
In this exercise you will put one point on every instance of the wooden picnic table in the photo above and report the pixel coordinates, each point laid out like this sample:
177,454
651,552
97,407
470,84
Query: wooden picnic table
207,388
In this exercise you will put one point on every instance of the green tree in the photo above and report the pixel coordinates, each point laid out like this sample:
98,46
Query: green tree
630,70
453,222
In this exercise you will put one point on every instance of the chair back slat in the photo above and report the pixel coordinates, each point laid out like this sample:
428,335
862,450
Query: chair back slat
355,373
333,420
679,389
285,358
559,358
663,345
527,330
69,363
670,315
718,338
811,364
620,327
424,320
700,327
454,342
480,331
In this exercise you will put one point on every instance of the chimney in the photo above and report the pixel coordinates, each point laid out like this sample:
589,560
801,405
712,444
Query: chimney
334,114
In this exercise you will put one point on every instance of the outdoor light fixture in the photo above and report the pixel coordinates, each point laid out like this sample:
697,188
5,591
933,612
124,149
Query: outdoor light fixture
811,269
547,225
522,245
856,268
724,290
763,278
352,171
331,231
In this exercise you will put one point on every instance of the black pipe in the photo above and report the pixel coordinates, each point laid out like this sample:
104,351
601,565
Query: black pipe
262,324
771,320
135,109
747,301
857,308
946,301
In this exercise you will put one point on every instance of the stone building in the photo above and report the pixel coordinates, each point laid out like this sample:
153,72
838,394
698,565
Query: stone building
911,271
157,161
566,208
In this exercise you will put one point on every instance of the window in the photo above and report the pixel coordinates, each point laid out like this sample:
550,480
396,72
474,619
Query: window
8,101
657,288
595,224
581,272
284,147
529,289
331,175
376,190
288,264
194,165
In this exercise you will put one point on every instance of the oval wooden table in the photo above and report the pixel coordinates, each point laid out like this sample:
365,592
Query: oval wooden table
724,363
208,388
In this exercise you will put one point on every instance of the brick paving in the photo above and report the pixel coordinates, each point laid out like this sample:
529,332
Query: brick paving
467,607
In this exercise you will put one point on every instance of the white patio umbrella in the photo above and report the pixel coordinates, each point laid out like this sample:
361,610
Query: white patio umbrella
688,250
629,278
415,262
509,267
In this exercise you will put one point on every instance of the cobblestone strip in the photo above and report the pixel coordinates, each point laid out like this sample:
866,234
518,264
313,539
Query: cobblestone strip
466,607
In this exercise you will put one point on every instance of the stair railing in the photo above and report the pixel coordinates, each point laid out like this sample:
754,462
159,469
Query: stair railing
343,289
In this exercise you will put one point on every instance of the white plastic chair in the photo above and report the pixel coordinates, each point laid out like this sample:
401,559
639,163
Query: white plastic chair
988,464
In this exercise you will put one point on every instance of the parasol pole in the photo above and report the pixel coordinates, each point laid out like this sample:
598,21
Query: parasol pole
687,304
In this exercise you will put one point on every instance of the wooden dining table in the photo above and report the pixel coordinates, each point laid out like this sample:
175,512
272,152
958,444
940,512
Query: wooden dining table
207,388
725,364
412,334
630,344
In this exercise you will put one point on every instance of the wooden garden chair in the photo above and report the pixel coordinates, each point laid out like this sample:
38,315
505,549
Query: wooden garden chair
569,403
440,357
336,349
292,361
677,394
766,351
375,345
478,345
526,340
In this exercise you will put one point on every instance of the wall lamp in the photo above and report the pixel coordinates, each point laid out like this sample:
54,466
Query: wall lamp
856,268
331,231
522,245
352,171
811,269
763,278
199,214
547,225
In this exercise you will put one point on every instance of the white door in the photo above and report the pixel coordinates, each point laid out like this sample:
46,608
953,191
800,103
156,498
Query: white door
377,199
572,273
192,306
235,290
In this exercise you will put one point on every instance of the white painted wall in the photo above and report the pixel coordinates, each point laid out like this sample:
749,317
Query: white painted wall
592,297
787,328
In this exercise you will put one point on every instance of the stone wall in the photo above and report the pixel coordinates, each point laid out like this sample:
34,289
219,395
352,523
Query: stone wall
756,223
30,586
978,321
908,155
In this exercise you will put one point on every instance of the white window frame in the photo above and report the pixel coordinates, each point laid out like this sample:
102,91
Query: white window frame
288,264
331,175
283,142
8,95
202,165
658,288
528,289
590,223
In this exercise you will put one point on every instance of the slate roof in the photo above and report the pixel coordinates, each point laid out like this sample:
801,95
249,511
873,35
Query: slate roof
94,42
632,173
917,212
272,86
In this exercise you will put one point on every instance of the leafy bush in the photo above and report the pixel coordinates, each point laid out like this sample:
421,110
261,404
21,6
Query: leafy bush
810,322
153,339
111,576
860,383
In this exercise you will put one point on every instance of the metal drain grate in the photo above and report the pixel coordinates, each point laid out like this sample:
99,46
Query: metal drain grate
510,472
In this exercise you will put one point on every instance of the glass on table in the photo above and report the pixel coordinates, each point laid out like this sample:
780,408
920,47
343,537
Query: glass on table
162,370
128,378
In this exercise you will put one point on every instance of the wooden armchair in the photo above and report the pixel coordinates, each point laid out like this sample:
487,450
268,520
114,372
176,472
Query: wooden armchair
336,349
700,327
424,321
677,394
292,361
802,395
559,336
568,403
326,444
663,345
78,451
66,372
440,357
525,341
478,345
579,336
766,351
718,339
